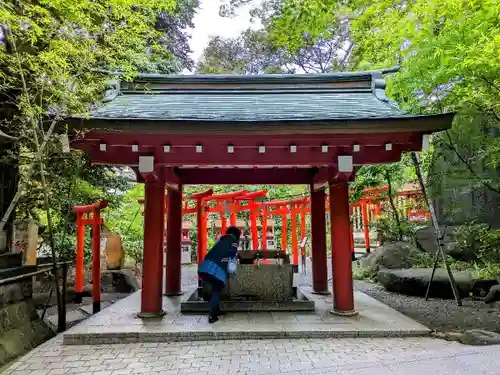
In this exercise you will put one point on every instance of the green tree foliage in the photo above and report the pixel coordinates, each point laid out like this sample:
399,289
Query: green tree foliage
253,52
53,55
458,41
448,53
250,53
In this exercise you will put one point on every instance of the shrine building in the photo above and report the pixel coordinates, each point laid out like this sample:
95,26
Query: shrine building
314,129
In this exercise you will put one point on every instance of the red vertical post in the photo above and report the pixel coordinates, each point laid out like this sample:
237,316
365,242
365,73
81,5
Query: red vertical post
80,251
283,232
302,223
343,293
366,229
234,207
264,231
174,252
253,223
199,234
318,242
204,231
223,223
295,250
152,265
96,260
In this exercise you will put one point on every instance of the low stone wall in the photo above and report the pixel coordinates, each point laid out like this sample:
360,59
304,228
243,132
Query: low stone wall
20,327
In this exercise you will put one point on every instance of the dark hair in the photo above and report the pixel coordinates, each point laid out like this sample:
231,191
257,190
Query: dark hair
235,232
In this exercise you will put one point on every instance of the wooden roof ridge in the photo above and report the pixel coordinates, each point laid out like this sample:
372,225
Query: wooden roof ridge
254,78
320,83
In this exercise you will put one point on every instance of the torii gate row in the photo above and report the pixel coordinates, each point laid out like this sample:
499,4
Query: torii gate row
299,205
256,209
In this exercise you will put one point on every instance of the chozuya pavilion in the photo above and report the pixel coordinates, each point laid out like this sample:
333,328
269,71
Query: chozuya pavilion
314,129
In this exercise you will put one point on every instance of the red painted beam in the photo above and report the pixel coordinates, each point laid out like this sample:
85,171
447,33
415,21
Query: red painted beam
252,195
242,143
369,155
202,194
230,195
91,207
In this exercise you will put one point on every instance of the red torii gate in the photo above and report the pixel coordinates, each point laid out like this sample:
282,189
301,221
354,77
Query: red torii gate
96,222
253,207
296,206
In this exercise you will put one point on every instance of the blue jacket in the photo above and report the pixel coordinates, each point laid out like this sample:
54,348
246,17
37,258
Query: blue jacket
215,262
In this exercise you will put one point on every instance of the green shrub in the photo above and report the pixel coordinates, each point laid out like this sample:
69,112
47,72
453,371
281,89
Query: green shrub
359,273
388,228
481,243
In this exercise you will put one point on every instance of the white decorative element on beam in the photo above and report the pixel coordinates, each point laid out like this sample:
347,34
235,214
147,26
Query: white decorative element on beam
425,142
199,149
230,149
166,148
146,164
135,148
293,148
262,149
388,147
324,148
356,148
345,163
103,147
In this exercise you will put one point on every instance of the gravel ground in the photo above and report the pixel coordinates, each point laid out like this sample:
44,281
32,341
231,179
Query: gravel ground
443,315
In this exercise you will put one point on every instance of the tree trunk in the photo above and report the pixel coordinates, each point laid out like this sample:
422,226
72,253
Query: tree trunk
9,178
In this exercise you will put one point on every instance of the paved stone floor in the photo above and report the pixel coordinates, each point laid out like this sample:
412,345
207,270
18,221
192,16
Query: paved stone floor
391,356
119,323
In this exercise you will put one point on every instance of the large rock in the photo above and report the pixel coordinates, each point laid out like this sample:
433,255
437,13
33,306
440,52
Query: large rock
118,281
479,337
394,255
426,237
493,295
414,282
20,327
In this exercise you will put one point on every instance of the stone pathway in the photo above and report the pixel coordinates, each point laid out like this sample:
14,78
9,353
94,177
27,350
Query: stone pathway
355,356
119,323
264,357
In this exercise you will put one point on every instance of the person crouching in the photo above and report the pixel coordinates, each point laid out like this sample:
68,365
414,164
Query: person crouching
214,268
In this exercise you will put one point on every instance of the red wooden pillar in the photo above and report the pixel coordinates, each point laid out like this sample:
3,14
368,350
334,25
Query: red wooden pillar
264,231
318,242
366,229
343,293
204,226
80,251
96,260
232,221
223,222
253,223
295,250
283,232
152,267
199,234
174,252
302,222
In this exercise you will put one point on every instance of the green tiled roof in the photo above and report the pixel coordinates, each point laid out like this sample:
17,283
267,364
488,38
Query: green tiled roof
246,107
265,98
